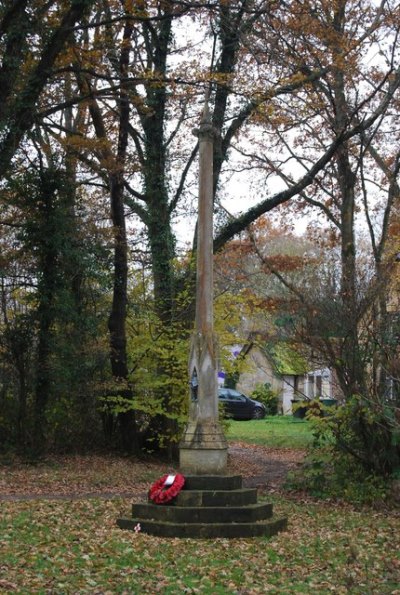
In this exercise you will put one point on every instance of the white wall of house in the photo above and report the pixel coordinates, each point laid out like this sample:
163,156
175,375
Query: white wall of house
258,370
293,388
287,394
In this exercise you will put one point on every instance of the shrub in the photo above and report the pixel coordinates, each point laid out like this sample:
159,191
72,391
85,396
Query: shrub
354,452
326,474
266,396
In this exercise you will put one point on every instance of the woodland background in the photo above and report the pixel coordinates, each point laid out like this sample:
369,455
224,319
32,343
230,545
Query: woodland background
98,99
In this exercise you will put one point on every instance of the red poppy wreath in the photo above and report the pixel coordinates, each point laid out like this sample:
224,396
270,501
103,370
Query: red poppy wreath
166,488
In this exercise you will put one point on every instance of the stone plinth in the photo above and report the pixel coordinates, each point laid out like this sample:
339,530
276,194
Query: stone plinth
203,449
207,507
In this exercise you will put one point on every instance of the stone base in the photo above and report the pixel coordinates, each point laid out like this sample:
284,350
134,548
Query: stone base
206,530
203,449
207,507
203,462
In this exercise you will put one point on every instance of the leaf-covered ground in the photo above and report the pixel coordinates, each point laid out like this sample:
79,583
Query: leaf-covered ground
73,545
76,476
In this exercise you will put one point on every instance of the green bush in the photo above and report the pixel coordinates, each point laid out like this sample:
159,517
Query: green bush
266,396
326,474
354,452
311,408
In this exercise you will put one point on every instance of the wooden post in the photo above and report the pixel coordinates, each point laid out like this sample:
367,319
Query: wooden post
203,449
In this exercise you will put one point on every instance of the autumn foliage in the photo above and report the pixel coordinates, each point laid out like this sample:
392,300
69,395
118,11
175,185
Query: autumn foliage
98,167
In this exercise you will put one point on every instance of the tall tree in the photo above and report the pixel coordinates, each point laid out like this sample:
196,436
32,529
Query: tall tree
345,315
135,77
24,73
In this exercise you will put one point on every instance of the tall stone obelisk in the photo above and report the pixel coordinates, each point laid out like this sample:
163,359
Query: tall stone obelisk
203,449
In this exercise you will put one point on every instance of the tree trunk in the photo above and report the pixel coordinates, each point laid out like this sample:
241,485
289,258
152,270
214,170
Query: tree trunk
353,381
161,239
46,315
42,388
22,405
351,374
117,318
160,235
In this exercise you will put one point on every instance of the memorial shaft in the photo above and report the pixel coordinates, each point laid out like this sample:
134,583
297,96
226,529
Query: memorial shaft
203,449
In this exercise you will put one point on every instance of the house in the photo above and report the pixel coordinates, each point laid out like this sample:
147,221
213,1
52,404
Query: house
288,373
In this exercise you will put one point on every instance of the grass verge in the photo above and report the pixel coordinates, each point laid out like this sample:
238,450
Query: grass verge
75,547
282,431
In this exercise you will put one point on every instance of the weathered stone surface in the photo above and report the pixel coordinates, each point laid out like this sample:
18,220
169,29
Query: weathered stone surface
203,449
203,514
202,460
204,434
239,497
206,530
213,482
225,510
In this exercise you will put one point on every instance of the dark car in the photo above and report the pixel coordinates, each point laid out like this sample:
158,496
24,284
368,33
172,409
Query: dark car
238,406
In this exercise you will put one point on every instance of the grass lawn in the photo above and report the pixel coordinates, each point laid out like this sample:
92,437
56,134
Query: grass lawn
73,546
283,431
69,547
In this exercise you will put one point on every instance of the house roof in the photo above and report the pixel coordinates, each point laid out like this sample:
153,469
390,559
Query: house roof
287,361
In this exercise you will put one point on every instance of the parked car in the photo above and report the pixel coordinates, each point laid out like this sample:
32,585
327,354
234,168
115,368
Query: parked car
238,406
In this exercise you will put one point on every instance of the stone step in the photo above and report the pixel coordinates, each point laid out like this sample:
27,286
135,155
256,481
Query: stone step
209,506
202,514
213,482
240,497
205,530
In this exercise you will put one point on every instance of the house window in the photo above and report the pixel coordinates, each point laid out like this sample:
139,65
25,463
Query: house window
318,384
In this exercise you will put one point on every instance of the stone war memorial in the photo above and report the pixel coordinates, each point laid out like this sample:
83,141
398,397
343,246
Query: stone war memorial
203,500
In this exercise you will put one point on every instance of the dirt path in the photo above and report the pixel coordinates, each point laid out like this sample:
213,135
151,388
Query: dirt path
95,476
261,466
